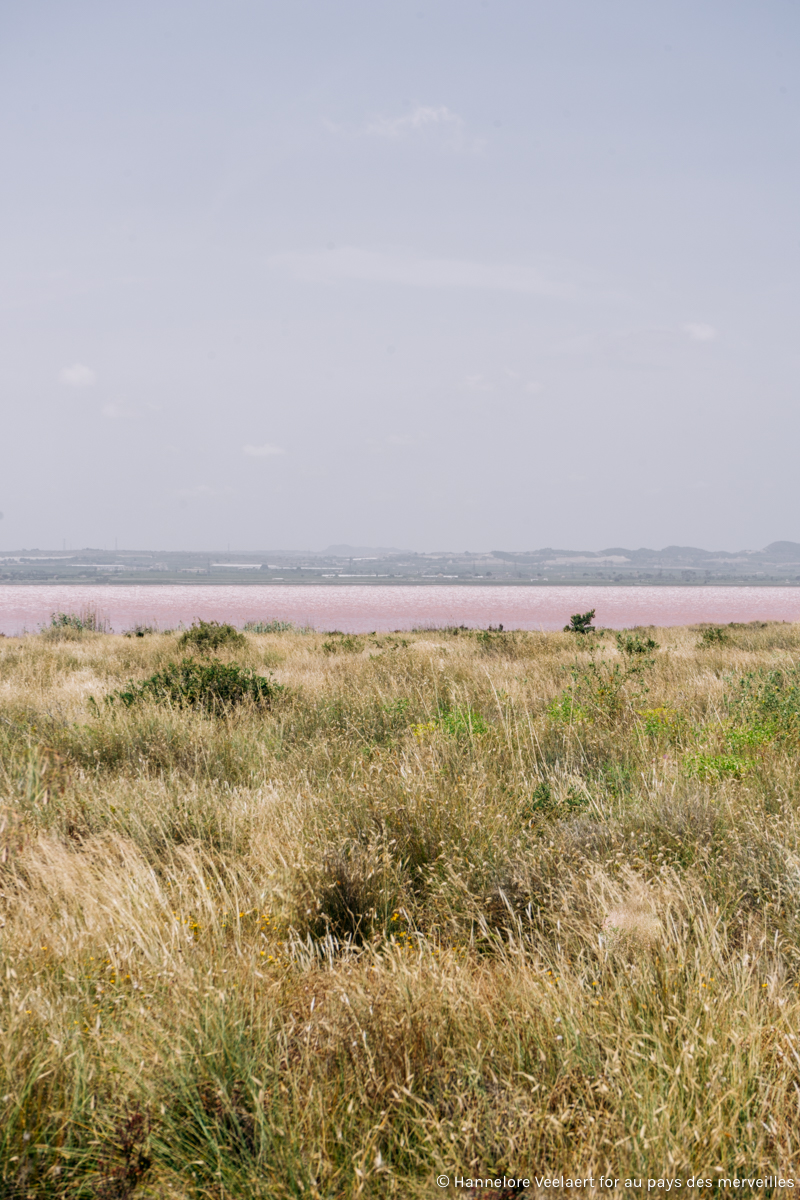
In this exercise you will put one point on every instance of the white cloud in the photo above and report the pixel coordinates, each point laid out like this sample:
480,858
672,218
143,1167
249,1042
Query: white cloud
426,121
422,117
78,376
265,451
700,333
374,266
112,411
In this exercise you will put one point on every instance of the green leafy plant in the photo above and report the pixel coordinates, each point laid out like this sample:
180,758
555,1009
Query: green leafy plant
718,766
632,644
76,623
343,643
457,722
751,737
541,801
544,801
210,635
565,710
493,640
658,721
581,623
461,721
712,636
601,690
768,701
214,687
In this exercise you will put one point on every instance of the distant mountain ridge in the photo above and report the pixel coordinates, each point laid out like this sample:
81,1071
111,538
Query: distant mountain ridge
775,552
345,551
777,563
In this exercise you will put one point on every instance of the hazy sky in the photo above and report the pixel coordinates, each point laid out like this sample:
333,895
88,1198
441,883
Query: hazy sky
437,274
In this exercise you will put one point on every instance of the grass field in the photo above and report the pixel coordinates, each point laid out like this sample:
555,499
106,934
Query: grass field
443,902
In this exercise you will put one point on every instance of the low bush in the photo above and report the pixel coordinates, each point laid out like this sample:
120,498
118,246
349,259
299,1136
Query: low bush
211,686
271,627
210,635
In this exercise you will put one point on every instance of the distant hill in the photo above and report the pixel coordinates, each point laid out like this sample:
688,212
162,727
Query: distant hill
345,551
778,563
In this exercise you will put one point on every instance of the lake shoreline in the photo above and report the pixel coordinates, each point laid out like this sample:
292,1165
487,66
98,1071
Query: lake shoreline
529,584
363,607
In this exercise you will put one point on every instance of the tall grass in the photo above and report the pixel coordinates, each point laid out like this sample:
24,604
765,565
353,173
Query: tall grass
457,903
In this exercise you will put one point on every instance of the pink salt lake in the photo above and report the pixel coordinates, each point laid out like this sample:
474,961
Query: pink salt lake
362,608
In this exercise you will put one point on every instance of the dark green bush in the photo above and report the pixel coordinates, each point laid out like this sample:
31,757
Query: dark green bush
213,686
581,623
210,635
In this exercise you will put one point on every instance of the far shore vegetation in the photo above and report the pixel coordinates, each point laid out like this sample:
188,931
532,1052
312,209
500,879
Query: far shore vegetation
325,915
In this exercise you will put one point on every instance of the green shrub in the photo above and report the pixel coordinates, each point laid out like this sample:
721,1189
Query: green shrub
271,627
658,721
345,643
717,766
456,722
210,635
601,690
462,721
581,623
71,626
494,640
212,686
565,710
768,701
712,636
632,643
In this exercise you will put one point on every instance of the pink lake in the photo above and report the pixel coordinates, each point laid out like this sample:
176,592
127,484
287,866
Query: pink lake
361,608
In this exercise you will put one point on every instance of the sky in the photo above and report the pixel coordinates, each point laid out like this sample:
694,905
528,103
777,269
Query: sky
437,274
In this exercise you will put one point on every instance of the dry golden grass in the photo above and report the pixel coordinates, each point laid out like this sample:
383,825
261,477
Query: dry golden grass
460,904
